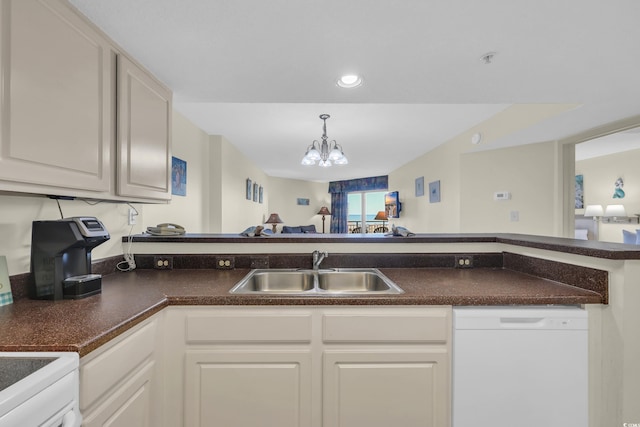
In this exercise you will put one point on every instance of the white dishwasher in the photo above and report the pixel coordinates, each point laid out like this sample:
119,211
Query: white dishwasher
522,366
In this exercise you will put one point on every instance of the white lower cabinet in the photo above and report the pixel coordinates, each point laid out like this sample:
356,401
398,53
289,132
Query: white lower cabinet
248,388
310,367
119,380
386,388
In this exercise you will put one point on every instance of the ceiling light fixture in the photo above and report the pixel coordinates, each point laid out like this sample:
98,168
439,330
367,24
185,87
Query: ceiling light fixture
324,152
349,81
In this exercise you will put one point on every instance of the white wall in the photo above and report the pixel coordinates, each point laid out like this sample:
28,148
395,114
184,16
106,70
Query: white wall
600,174
283,195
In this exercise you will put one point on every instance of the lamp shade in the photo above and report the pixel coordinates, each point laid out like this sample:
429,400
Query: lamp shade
615,211
381,216
274,218
593,210
324,211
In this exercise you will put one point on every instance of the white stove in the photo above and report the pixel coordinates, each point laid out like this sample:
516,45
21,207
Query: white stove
39,389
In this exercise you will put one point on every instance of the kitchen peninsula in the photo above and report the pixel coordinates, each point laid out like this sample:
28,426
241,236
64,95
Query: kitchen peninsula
506,270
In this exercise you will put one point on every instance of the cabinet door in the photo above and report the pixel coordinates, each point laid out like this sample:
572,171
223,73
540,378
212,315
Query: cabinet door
248,388
382,388
144,134
128,405
55,112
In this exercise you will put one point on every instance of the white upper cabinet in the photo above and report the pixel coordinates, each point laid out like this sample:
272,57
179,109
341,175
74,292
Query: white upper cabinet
64,86
144,134
56,98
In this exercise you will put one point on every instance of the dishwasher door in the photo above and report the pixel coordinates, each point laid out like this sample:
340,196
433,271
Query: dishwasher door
520,366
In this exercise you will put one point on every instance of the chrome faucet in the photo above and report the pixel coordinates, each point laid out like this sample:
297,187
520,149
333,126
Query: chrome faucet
318,257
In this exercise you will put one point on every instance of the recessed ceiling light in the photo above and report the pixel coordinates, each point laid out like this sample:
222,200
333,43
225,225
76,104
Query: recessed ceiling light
476,138
349,81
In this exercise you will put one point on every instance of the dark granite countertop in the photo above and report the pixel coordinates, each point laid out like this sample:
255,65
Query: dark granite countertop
128,298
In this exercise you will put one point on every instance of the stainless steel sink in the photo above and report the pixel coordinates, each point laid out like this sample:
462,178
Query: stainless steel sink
275,281
354,281
346,281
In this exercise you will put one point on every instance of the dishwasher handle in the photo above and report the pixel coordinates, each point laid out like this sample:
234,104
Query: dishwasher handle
522,322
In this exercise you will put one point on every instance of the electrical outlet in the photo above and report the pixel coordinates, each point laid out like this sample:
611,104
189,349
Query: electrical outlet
464,261
163,262
132,216
225,263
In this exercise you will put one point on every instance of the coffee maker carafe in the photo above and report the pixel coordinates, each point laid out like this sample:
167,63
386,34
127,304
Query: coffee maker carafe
61,258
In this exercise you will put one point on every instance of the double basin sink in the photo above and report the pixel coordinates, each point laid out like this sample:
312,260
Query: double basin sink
345,281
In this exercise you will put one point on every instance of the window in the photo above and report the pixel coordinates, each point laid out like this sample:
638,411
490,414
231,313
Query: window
362,210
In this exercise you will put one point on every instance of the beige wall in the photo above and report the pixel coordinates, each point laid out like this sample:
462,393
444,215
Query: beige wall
283,195
17,213
600,174
418,215
233,212
469,175
527,172
191,211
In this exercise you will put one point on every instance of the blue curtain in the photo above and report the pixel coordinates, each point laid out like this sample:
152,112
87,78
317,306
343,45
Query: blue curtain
338,213
360,184
339,191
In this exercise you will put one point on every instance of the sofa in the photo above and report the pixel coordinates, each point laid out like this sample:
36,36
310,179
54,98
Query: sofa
300,229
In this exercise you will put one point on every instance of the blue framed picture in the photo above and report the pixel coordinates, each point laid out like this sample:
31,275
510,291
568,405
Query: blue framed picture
434,192
178,177
303,202
249,189
420,186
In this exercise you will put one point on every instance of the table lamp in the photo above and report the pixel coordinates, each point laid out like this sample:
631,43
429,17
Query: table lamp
381,216
274,220
323,211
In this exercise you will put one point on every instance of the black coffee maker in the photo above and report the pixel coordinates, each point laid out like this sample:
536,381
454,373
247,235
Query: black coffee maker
61,258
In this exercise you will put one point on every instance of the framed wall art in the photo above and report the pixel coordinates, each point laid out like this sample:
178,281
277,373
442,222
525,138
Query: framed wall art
420,186
434,192
579,192
255,192
260,192
249,189
178,177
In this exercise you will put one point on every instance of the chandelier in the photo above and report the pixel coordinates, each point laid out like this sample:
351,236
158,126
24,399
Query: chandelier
324,152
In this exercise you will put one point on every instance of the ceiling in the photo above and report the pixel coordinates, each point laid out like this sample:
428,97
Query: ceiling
261,72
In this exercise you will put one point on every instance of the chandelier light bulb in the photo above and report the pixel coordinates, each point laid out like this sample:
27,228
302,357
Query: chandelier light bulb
335,154
341,161
313,154
307,161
